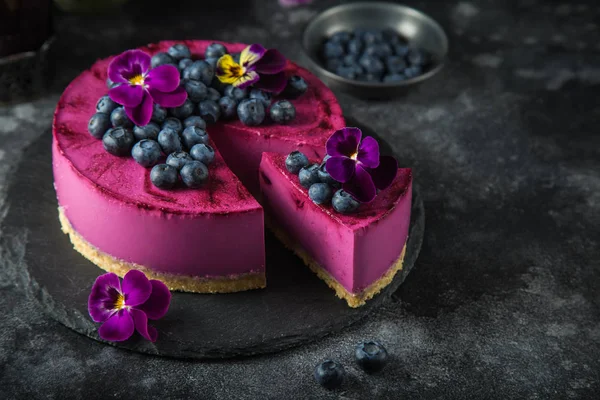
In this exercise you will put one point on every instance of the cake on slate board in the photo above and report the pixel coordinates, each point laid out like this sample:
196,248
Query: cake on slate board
160,173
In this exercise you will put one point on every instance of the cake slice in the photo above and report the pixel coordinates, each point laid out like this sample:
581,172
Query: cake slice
356,254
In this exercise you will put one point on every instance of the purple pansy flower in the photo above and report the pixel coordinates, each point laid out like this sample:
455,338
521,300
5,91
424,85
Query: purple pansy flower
257,65
141,86
357,165
124,307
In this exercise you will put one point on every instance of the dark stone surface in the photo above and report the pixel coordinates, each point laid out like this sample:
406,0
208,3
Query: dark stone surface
296,307
503,301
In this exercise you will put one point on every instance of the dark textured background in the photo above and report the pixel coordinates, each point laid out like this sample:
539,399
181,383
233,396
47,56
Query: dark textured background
503,302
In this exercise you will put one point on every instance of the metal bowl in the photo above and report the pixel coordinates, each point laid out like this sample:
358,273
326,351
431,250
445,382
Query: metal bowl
419,29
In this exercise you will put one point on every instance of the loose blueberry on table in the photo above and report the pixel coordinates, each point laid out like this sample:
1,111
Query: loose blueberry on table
373,56
371,356
206,90
330,374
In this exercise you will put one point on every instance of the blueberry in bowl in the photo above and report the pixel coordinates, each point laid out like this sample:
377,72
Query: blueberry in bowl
374,49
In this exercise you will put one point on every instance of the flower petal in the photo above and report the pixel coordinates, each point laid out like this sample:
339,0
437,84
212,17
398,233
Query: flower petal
141,325
344,142
127,95
136,288
172,99
246,80
368,152
118,327
251,54
164,78
272,83
103,296
226,69
341,168
158,304
271,62
361,186
127,65
141,114
385,173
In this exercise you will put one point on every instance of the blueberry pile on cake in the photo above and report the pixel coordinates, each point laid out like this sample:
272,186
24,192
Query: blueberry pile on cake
156,159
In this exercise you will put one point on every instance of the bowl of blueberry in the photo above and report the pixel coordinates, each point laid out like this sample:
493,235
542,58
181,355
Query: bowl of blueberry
374,49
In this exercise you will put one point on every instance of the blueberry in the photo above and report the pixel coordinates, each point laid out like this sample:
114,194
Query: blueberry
295,161
197,91
264,97
173,124
184,63
119,118
218,85
401,50
235,93
212,61
395,64
216,50
251,112
105,105
110,84
370,51
296,87
203,153
184,110
372,37
163,176
213,94
329,374
413,71
178,159
383,50
209,111
199,71
417,57
118,141
193,135
320,193
371,356
162,59
333,50
343,203
146,152
149,131
333,63
99,124
350,60
309,175
371,65
355,46
169,141
228,107
391,36
159,114
194,174
194,120
341,37
392,78
324,176
348,72
368,77
282,112
179,51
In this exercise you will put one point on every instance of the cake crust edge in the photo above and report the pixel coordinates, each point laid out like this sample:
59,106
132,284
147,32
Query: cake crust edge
181,283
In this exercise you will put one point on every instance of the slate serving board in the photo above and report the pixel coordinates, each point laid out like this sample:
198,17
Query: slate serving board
295,308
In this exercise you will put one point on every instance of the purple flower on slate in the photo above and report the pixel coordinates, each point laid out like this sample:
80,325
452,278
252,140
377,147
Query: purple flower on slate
257,66
124,307
140,87
357,165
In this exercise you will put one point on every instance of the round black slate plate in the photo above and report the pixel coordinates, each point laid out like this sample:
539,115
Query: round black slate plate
295,308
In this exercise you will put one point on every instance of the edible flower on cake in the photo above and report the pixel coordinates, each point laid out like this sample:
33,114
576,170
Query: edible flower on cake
257,66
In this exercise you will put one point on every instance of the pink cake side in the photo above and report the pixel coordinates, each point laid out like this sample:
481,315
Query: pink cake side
355,249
